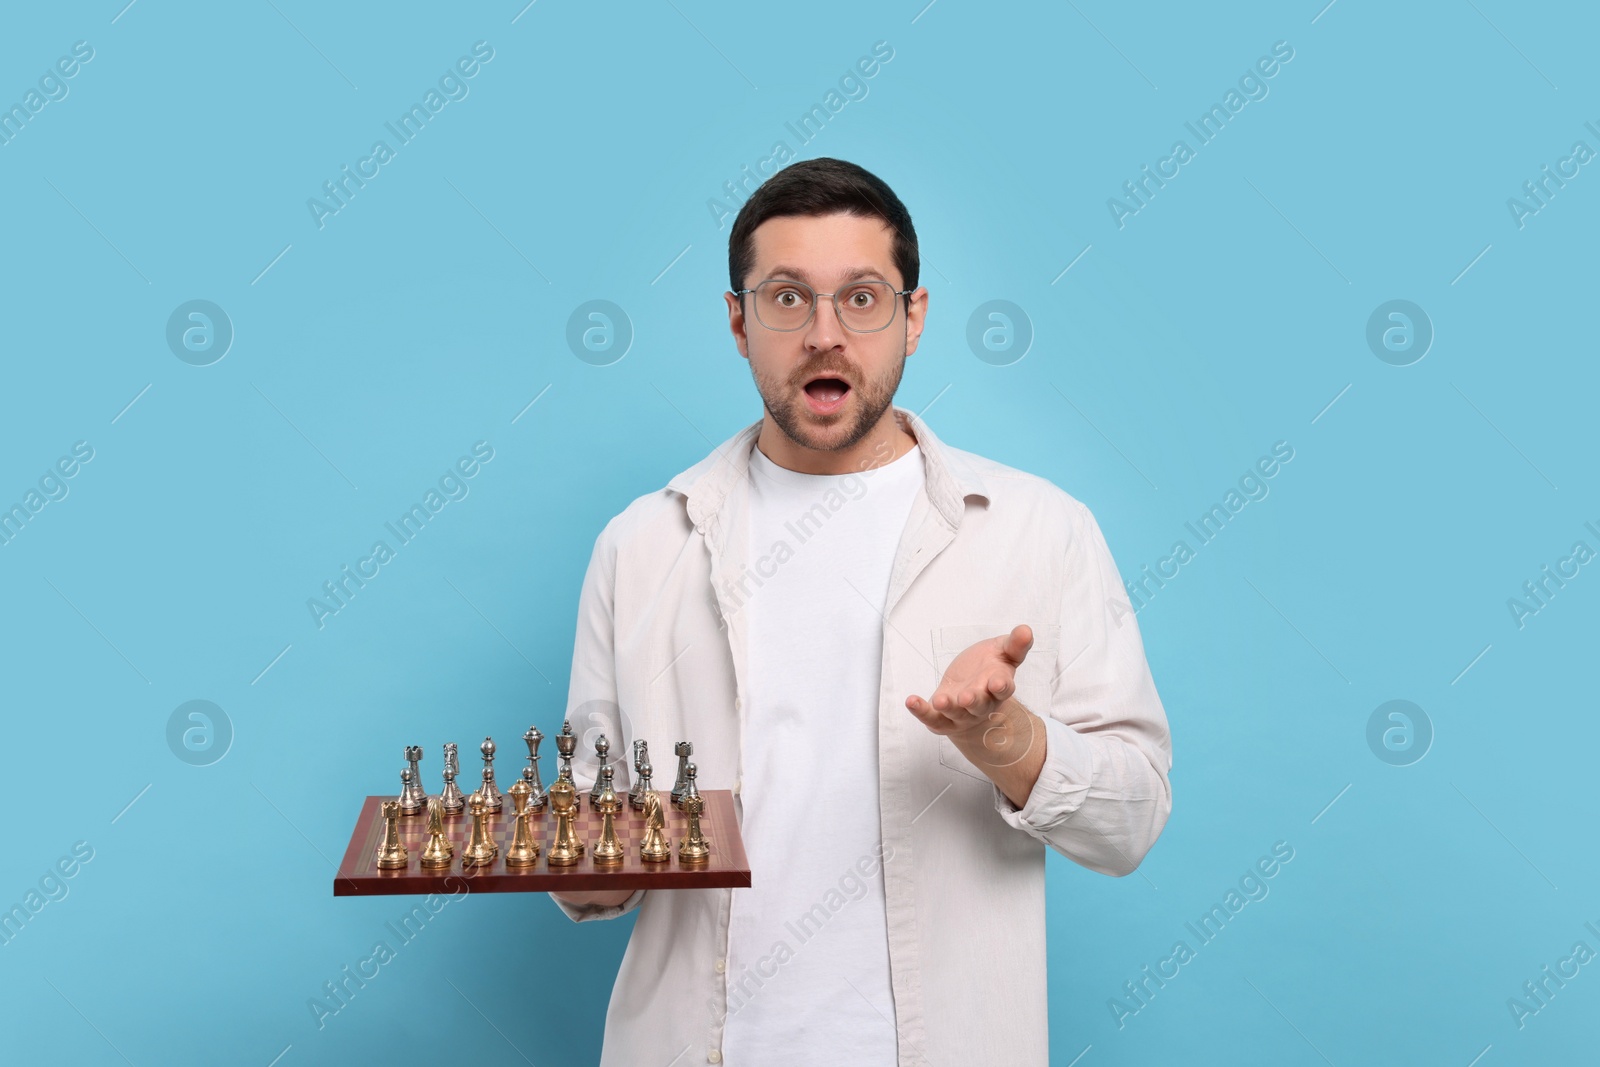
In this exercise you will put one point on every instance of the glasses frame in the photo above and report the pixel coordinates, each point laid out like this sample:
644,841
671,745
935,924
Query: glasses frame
838,312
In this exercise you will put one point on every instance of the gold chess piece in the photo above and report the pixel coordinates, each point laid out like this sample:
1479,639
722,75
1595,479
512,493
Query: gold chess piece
694,849
481,850
608,851
392,854
523,850
654,847
439,851
566,850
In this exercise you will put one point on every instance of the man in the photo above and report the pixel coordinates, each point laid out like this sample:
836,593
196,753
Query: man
782,604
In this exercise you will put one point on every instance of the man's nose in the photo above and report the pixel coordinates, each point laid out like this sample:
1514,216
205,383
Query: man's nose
825,330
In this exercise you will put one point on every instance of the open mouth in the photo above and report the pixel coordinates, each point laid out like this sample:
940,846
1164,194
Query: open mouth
826,395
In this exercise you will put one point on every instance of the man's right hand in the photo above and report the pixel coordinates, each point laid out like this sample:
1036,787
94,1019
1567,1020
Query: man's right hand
605,898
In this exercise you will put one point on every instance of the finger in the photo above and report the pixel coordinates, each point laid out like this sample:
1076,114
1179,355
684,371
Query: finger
926,715
1018,642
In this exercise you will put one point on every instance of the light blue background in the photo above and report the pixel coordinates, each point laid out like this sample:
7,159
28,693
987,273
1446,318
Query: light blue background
1225,316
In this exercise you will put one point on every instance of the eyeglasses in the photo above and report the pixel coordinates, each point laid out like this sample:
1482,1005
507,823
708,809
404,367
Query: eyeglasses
863,307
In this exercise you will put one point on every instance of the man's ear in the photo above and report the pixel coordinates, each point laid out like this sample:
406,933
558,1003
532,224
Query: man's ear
916,315
736,324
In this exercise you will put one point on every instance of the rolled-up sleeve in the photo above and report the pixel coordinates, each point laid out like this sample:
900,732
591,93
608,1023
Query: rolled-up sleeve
592,695
1103,795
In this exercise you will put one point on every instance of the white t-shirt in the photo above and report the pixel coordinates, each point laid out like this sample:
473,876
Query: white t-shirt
808,966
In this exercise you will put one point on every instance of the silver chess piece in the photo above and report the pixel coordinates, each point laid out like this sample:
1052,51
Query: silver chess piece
413,797
690,789
538,799
641,758
646,787
493,799
407,803
451,800
602,751
683,750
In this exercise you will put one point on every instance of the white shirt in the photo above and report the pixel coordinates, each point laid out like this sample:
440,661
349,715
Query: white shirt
808,943
661,642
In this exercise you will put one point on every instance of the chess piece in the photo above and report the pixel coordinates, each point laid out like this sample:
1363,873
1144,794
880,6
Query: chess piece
523,850
488,787
408,804
694,849
538,799
392,854
690,789
641,756
481,850
450,798
608,851
683,749
451,801
566,745
644,786
602,752
492,797
528,780
439,851
566,850
419,795
654,847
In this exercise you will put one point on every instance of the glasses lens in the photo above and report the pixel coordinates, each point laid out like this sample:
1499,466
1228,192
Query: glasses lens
866,306
786,305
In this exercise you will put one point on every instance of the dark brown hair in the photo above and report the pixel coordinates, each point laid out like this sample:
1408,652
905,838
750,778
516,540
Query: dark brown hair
823,187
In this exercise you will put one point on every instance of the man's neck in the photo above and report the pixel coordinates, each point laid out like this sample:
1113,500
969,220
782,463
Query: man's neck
884,443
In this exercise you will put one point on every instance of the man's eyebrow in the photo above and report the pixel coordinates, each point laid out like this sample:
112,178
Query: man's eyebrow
850,276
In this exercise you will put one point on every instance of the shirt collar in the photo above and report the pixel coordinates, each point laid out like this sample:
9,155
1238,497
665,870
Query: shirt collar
949,475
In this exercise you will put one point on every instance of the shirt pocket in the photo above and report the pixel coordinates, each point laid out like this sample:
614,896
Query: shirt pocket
1035,678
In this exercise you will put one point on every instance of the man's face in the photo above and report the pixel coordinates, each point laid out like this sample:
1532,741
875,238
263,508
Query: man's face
800,373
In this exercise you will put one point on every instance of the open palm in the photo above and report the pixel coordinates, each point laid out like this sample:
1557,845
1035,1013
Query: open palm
977,682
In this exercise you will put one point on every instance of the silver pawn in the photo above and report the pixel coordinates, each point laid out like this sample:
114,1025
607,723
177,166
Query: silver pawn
689,787
414,796
451,800
645,786
493,799
409,805
488,784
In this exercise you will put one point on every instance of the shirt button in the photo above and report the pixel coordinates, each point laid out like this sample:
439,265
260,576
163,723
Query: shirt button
737,704
714,1056
736,783
722,965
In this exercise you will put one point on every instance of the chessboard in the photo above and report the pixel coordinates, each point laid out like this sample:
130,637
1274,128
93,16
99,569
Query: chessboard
359,874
